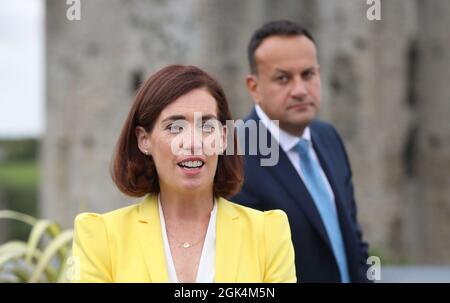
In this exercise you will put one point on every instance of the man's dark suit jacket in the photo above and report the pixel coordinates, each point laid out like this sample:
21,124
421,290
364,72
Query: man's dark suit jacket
280,187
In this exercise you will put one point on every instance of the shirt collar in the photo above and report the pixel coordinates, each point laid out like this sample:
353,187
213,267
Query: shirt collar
285,139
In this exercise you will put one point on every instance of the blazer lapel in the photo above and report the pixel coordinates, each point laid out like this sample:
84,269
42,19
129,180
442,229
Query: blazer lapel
330,172
320,147
289,179
228,242
151,239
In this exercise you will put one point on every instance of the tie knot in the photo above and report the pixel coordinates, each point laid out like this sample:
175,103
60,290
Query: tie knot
303,146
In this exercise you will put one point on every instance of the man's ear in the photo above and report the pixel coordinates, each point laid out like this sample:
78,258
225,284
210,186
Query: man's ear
143,140
251,81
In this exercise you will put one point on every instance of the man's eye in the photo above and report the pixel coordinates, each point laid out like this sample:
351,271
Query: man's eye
309,74
282,78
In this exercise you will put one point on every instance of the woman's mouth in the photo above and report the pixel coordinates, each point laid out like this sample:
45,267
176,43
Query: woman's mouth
191,167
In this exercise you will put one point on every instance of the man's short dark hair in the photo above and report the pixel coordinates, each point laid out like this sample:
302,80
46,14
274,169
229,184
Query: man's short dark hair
273,28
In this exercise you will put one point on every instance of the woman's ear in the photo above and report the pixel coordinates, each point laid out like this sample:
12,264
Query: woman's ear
143,140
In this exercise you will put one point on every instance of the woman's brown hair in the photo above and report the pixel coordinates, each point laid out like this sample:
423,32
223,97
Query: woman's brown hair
135,173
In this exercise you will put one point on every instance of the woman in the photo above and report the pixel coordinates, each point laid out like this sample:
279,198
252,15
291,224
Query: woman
172,151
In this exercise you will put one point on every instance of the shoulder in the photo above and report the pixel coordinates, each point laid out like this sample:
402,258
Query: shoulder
252,115
322,127
95,241
115,218
269,236
256,217
326,131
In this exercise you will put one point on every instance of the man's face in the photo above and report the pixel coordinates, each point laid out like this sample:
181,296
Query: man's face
287,84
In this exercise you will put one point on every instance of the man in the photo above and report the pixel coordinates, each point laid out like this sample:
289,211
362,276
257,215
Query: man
312,181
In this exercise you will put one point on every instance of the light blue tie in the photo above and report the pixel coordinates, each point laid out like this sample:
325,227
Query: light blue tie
324,203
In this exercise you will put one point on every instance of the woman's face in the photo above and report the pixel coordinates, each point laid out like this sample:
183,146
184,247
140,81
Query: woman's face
185,142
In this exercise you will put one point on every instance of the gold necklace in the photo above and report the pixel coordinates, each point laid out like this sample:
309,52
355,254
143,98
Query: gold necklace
185,244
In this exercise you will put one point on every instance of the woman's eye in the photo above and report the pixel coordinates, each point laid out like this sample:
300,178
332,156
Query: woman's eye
208,127
174,129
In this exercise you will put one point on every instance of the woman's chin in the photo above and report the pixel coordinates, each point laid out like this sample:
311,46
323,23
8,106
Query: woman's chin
191,185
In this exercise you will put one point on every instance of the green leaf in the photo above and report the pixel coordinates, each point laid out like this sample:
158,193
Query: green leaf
36,235
26,261
53,247
11,250
62,275
14,215
21,273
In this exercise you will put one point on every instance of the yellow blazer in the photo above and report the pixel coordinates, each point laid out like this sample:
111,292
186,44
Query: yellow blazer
126,245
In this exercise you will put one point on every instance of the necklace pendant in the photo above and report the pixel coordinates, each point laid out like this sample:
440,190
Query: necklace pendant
186,245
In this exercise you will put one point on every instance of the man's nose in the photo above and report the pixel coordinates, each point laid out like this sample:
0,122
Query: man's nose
299,89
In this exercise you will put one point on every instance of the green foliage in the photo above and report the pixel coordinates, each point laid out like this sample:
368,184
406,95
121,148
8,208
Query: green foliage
19,191
388,258
19,174
19,150
19,181
42,258
39,248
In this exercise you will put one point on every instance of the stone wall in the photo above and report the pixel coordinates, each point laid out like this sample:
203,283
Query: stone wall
384,82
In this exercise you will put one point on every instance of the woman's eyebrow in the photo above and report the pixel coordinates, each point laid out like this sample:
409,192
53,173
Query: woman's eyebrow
174,118
181,117
209,117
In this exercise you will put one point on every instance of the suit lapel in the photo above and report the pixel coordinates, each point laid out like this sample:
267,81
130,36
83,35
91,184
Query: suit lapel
228,242
320,147
286,175
327,165
151,239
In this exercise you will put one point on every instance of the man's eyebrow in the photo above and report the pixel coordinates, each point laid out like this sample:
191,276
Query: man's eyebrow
308,69
279,70
312,68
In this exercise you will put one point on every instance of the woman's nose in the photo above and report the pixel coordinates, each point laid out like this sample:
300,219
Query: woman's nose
192,141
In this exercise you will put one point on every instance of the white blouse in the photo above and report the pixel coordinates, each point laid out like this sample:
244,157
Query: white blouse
205,272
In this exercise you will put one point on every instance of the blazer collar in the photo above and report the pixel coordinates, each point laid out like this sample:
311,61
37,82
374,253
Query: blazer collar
151,240
286,175
286,140
228,240
327,164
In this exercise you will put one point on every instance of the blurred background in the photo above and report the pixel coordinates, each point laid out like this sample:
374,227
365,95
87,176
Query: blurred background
67,85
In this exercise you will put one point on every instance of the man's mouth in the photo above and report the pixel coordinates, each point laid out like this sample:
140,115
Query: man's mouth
299,105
